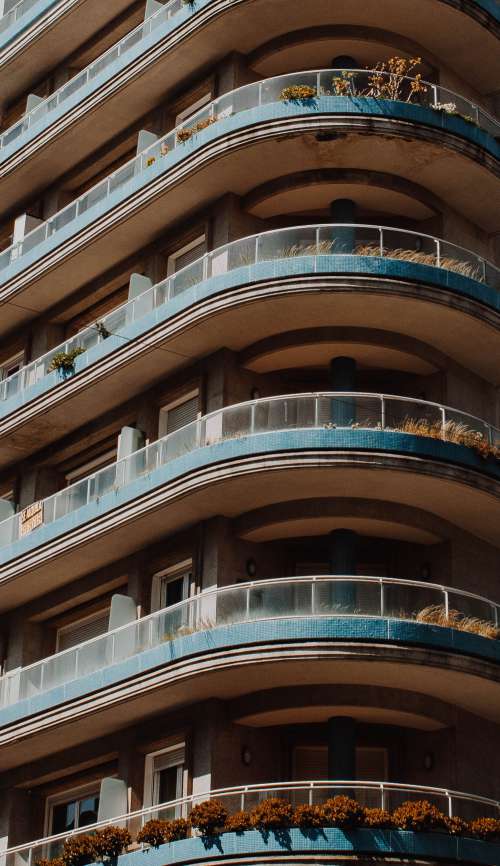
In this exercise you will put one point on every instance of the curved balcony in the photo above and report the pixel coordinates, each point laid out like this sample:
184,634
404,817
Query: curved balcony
437,451
284,255
237,126
368,609
36,35
396,843
125,69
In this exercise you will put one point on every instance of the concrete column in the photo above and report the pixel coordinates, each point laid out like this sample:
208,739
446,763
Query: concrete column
343,378
344,61
343,210
341,748
343,555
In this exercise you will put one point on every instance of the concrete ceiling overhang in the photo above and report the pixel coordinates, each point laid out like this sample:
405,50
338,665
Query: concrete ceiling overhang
317,517
311,192
316,703
372,349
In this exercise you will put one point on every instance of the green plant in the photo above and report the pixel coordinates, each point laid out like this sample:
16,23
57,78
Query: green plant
78,851
65,361
486,828
418,815
238,822
208,817
111,842
343,811
272,814
298,93
308,816
378,819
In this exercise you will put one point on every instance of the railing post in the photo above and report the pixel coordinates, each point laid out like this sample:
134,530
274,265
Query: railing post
434,95
443,419
257,248
382,598
247,605
381,240
446,602
382,413
438,252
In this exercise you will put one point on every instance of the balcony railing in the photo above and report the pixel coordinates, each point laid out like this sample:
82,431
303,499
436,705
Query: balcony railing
265,599
15,13
292,412
237,101
384,795
316,241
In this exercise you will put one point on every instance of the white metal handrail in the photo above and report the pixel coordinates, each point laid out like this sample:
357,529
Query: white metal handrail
316,596
285,412
249,96
385,795
309,240
15,13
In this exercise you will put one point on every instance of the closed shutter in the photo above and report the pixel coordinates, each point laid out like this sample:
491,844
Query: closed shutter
189,256
181,415
371,764
311,763
82,630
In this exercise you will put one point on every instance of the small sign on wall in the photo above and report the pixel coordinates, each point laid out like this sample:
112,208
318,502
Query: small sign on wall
30,518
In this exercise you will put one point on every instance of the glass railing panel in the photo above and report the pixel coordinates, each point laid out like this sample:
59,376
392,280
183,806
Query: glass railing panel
412,416
187,277
60,669
407,601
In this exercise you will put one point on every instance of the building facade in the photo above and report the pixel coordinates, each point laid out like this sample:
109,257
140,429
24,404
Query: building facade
249,425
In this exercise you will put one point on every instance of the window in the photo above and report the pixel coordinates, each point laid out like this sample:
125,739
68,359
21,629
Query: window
179,413
186,254
311,762
72,810
188,112
172,585
12,365
81,630
165,775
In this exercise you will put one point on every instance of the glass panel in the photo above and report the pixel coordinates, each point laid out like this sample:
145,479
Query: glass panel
88,809
63,817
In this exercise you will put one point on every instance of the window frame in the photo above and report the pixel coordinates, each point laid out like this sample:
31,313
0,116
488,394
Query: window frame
181,251
166,575
72,794
15,360
91,466
99,614
193,107
164,410
150,774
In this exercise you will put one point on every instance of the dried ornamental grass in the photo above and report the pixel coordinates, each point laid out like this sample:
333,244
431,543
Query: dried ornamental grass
186,132
436,614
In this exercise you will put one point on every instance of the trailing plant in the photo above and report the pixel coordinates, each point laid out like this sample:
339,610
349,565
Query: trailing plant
298,93
208,817
486,828
308,816
378,819
436,614
418,815
111,842
342,811
186,132
65,361
238,822
272,814
451,109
